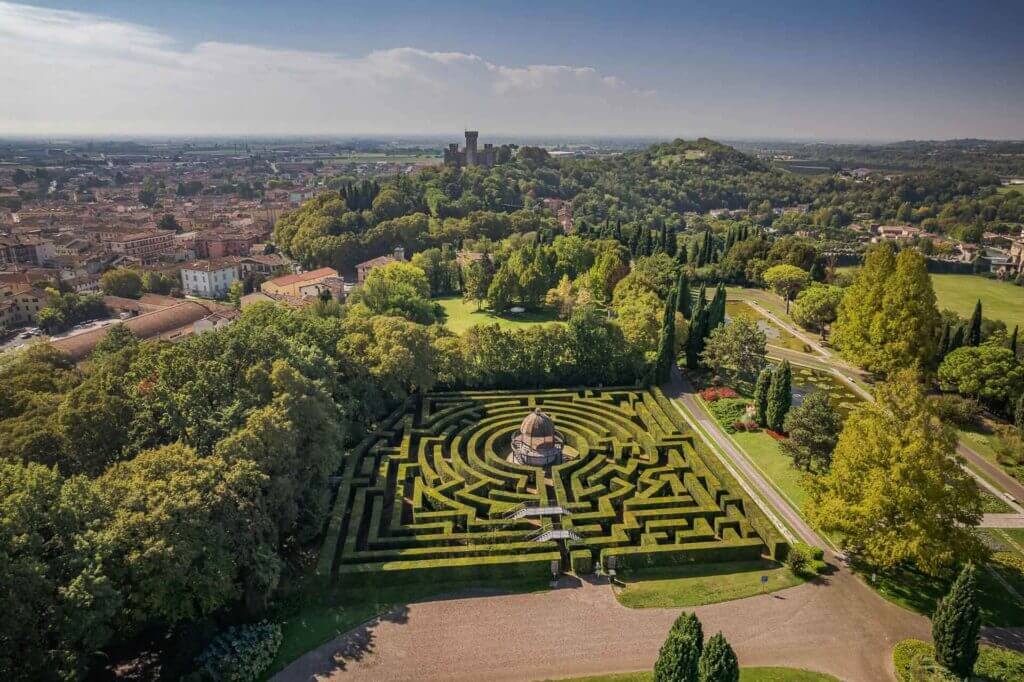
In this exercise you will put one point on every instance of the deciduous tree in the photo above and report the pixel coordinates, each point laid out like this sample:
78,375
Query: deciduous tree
786,281
894,490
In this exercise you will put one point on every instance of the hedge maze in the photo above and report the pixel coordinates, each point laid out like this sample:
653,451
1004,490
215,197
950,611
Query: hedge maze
432,495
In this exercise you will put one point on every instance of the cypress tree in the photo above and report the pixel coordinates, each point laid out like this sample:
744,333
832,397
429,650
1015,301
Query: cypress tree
698,256
683,295
817,272
761,390
779,396
944,341
1013,340
1018,414
974,326
695,340
667,342
618,230
687,623
956,624
663,238
958,339
671,245
678,658
718,661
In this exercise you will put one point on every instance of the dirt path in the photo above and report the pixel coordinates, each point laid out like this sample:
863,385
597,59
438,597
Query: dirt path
835,625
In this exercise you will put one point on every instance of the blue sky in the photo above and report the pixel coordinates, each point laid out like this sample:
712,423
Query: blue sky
821,70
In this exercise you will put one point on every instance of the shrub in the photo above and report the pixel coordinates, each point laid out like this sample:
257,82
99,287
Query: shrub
717,393
239,654
964,413
728,411
803,559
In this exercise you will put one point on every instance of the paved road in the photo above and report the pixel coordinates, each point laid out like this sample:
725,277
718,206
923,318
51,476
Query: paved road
1002,521
835,625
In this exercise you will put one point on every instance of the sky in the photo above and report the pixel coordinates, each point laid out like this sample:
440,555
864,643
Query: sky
823,70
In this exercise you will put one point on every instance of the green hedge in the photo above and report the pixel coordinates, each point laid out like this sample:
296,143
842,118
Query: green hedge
638,558
501,567
914,661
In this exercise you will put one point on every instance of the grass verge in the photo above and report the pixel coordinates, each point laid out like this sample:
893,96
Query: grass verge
914,661
697,585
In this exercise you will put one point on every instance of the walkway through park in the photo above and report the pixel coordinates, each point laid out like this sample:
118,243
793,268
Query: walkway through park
835,625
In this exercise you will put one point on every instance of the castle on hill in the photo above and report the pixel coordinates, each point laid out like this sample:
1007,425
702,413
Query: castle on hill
470,155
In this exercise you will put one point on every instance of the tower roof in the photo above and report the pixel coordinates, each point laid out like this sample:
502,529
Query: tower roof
537,425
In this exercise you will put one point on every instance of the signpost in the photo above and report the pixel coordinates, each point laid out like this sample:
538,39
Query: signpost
764,583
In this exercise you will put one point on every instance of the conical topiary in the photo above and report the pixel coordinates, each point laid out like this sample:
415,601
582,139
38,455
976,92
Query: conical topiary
718,662
678,658
956,624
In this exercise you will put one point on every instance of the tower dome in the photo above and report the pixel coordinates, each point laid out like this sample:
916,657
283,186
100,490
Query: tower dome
537,443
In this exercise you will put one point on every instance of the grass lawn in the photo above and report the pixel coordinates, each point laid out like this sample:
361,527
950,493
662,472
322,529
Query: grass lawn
918,592
999,300
463,315
703,584
320,615
746,675
767,455
914,661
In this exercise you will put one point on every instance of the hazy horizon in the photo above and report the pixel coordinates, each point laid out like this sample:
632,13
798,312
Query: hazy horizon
792,72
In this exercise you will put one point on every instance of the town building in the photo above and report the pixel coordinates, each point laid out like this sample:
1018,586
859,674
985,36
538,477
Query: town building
20,305
363,269
141,244
470,155
292,285
210,278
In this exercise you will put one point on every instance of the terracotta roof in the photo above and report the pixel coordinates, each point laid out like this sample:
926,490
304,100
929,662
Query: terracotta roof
303,277
146,326
374,262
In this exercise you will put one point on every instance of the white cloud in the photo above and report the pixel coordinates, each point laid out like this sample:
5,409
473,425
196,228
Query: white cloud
73,72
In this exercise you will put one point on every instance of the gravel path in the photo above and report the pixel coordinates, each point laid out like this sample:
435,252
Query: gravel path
835,625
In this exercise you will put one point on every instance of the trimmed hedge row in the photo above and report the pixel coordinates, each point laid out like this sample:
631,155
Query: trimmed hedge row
425,496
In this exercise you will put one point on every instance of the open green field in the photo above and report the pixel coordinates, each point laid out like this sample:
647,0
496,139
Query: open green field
746,675
999,300
463,315
704,584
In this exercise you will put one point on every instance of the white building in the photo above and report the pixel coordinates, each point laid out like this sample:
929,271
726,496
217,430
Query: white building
209,278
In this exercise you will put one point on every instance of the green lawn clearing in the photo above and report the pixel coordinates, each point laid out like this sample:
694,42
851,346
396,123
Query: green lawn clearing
914,661
701,584
768,456
463,315
999,300
746,675
919,592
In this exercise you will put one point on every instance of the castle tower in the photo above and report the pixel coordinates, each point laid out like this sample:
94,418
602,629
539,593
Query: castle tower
471,136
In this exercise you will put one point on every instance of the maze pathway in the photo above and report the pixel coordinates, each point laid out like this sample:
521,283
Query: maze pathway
432,493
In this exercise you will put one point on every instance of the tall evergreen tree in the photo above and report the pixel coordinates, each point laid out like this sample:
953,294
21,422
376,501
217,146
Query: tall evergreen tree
718,661
618,230
957,340
687,623
1013,340
667,342
695,339
974,326
671,245
780,396
944,341
678,659
1018,414
761,392
956,624
683,303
